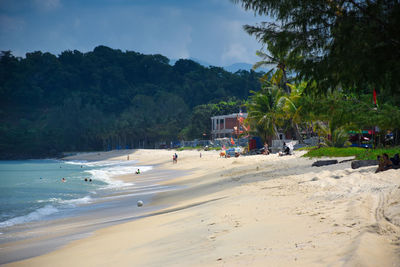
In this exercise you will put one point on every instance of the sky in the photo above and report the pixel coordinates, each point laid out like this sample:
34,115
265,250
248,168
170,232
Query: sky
208,30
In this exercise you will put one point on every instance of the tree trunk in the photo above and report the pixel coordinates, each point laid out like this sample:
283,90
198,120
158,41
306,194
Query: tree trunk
276,132
285,86
297,132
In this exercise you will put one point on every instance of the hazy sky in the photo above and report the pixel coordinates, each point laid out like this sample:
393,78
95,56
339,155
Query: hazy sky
209,30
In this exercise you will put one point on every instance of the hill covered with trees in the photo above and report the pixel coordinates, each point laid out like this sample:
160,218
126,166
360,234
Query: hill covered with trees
108,98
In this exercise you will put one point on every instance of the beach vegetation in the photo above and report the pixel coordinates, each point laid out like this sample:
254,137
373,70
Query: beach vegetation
264,110
306,148
339,45
338,55
338,137
358,153
199,121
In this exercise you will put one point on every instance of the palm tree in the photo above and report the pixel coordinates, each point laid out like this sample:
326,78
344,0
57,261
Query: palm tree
332,137
291,106
288,101
264,110
278,57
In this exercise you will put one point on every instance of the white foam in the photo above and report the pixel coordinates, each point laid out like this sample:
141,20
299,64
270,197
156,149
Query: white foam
33,216
105,170
53,199
106,174
78,201
100,163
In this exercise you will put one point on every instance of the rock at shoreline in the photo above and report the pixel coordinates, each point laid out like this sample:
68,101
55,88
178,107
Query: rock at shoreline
320,163
363,163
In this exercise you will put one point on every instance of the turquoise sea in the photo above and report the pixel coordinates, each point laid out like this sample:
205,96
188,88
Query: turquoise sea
34,201
32,190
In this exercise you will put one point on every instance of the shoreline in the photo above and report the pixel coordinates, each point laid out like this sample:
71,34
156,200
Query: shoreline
31,239
255,210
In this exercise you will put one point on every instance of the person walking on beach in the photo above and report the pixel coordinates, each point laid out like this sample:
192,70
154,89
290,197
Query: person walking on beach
176,158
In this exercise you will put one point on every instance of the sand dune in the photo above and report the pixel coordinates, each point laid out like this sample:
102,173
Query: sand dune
255,211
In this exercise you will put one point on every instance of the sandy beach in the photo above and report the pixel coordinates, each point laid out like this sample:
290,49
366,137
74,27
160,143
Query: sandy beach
252,210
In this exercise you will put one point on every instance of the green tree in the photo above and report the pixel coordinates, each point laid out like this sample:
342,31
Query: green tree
332,137
341,43
278,58
107,98
265,110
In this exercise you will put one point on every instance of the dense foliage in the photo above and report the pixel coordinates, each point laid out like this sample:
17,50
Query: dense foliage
351,45
331,116
107,99
359,153
337,53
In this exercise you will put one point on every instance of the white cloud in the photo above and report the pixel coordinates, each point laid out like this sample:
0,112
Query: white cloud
47,5
236,52
77,22
238,46
10,24
211,30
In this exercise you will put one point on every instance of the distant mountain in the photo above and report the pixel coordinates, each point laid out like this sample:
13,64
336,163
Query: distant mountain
231,68
243,66
201,62
238,66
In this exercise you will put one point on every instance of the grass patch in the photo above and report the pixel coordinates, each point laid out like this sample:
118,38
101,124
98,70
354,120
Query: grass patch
306,148
359,153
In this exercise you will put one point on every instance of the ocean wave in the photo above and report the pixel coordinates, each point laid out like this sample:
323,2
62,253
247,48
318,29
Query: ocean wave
78,201
53,199
100,163
33,216
107,174
106,170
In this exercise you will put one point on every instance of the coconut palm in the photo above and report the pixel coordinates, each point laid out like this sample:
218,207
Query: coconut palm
264,110
332,137
292,108
278,73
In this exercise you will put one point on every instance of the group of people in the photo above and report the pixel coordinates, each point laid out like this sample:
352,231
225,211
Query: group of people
64,180
286,149
386,163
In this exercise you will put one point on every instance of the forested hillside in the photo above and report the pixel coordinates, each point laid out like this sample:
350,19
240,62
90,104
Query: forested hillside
108,98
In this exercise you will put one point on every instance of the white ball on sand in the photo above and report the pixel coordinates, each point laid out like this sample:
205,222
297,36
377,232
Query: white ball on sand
140,203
